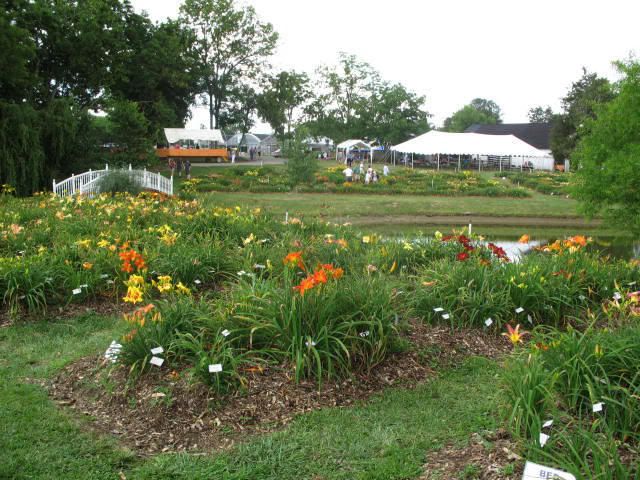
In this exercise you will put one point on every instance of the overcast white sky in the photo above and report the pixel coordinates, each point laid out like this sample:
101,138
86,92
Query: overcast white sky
518,53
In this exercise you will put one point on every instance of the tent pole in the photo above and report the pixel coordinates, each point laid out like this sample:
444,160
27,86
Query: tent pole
500,160
459,169
438,161
412,160
521,163
479,163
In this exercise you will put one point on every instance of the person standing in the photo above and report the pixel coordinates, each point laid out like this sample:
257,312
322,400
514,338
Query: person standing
187,169
233,155
385,170
348,173
172,165
179,167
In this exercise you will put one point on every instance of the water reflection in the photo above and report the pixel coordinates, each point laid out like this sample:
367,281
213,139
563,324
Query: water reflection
623,247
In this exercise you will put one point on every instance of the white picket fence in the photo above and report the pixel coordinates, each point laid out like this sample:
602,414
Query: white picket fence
88,183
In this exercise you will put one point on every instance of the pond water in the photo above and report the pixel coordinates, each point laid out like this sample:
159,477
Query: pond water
615,245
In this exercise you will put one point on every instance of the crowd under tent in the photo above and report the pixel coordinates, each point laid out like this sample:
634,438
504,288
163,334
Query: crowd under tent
352,145
186,137
197,144
481,151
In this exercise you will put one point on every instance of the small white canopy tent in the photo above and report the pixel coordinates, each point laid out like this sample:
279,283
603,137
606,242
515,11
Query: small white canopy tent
436,143
199,136
351,144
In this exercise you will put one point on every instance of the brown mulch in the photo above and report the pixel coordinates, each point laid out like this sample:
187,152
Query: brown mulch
102,305
164,412
488,456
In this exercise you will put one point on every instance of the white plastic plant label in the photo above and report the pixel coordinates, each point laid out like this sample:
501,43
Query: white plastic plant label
438,309
157,350
76,291
488,322
446,316
533,471
617,296
215,368
543,439
529,319
197,282
547,424
225,333
104,276
519,310
597,407
157,361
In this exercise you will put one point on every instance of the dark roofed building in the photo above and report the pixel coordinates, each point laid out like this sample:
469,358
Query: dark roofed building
537,135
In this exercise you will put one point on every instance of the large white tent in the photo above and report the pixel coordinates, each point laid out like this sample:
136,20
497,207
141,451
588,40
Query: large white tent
434,142
176,135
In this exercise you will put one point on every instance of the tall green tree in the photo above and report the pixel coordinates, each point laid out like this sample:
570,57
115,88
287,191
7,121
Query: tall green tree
239,114
540,114
488,107
341,93
393,113
159,72
465,117
232,46
608,155
285,92
579,106
479,110
351,100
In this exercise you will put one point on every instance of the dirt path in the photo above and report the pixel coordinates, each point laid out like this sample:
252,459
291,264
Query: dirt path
466,219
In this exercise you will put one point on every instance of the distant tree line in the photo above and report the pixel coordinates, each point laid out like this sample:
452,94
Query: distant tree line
86,82
62,62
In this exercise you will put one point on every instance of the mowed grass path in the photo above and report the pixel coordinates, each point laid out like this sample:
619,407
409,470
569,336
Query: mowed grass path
385,438
331,206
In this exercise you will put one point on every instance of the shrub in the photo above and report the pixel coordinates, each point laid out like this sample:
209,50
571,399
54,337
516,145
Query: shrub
118,182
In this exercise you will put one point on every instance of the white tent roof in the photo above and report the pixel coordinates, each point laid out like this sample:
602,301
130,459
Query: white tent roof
249,139
435,142
174,135
349,144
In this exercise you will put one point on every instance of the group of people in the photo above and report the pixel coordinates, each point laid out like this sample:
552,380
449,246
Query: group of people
253,152
178,165
360,174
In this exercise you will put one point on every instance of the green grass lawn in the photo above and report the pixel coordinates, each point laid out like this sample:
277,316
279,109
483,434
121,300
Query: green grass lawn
333,206
387,437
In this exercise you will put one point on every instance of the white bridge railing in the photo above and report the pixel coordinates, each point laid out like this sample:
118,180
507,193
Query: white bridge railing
89,183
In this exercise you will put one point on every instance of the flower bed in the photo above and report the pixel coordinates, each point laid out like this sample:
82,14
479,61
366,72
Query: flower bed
221,296
332,180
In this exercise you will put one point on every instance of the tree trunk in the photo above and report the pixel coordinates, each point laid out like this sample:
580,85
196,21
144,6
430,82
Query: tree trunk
211,111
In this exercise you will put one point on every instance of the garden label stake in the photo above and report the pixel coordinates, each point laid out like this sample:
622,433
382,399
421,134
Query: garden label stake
157,350
543,439
157,361
533,471
215,368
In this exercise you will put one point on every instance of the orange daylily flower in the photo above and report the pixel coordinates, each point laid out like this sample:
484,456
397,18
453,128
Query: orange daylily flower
306,284
524,239
320,276
294,259
87,265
